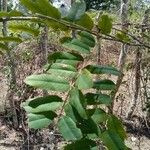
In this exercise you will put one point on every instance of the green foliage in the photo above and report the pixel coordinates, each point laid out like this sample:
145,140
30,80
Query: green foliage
112,140
10,39
12,13
104,85
48,82
68,73
112,121
84,80
42,7
84,144
85,21
123,37
24,28
97,99
95,69
69,129
40,104
40,120
105,24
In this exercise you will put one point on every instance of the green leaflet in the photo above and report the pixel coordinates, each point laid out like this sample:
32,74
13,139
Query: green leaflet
83,144
10,39
123,37
66,71
85,21
69,129
48,82
81,45
42,7
72,113
89,127
104,85
56,25
87,36
87,42
98,115
95,69
74,63
66,59
12,13
77,46
112,141
84,80
78,102
105,24
40,120
41,104
96,99
64,56
24,28
115,125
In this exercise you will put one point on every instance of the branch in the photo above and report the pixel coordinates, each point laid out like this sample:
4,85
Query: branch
134,38
75,27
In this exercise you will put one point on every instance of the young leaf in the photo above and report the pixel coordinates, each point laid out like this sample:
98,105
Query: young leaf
40,120
78,102
123,37
69,129
83,144
76,11
112,141
95,69
84,80
105,24
48,82
96,99
85,21
104,85
41,104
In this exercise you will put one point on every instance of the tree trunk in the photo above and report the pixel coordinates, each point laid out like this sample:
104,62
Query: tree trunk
138,59
12,80
124,48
